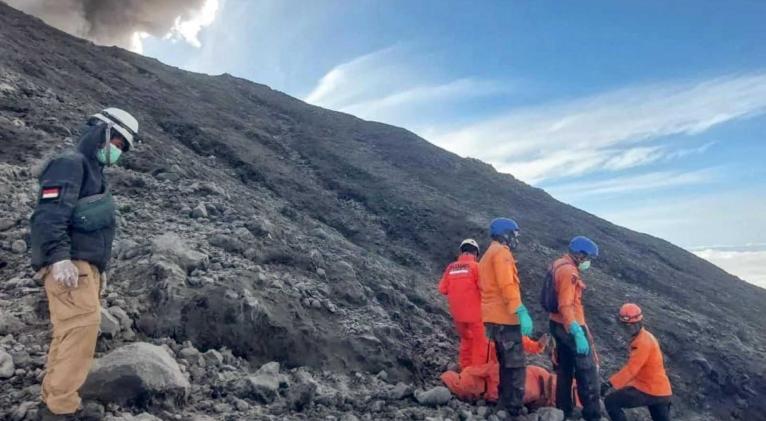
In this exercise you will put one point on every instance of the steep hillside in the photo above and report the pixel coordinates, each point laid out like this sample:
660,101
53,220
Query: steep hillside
321,235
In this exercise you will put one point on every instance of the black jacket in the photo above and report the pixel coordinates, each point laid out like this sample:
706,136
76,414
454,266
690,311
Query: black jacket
66,179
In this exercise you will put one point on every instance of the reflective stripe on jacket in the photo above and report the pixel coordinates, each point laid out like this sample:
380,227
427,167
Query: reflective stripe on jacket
460,283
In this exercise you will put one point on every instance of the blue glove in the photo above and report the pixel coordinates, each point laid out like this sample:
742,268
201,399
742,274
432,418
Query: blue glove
525,321
581,341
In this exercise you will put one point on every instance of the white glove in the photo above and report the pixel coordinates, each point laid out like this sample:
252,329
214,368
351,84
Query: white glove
66,273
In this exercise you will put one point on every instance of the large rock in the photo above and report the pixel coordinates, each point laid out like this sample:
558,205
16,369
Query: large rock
400,391
264,385
7,223
110,326
300,396
550,414
436,396
175,249
7,368
227,242
9,324
19,246
125,321
135,373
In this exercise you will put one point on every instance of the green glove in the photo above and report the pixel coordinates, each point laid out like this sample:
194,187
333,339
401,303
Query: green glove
525,321
581,341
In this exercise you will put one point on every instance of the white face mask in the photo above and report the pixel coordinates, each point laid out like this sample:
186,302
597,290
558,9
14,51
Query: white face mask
109,158
584,265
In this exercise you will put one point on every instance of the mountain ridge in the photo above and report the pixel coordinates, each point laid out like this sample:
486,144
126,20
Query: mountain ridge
334,188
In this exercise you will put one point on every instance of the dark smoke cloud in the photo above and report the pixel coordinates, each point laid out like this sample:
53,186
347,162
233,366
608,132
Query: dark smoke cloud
114,22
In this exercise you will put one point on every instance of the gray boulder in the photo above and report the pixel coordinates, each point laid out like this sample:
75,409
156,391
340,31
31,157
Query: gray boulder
110,326
175,249
199,212
7,367
19,246
264,385
22,410
550,414
300,396
227,242
125,321
436,396
135,373
9,324
7,223
400,391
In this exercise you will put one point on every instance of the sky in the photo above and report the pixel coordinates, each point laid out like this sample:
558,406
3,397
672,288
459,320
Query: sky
649,114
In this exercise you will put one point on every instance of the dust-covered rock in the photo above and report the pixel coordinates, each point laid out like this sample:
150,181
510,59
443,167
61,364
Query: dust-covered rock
264,385
178,251
135,373
110,326
9,324
7,366
436,396
550,414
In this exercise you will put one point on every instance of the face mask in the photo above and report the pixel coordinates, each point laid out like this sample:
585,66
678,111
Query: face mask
584,265
113,156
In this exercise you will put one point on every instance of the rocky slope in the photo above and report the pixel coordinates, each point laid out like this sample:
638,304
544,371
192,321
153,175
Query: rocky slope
260,229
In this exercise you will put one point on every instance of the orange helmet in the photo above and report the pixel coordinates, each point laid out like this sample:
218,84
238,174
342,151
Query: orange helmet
631,313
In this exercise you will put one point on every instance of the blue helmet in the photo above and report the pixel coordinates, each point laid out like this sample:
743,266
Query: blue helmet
583,245
502,227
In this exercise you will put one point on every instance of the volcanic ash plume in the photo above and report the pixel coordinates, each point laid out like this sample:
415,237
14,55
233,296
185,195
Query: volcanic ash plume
124,22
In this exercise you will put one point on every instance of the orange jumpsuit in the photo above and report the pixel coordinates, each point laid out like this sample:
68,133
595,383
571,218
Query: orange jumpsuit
500,286
460,283
570,287
645,369
481,381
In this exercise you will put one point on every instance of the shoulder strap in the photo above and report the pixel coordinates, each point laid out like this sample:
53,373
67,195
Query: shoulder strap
554,269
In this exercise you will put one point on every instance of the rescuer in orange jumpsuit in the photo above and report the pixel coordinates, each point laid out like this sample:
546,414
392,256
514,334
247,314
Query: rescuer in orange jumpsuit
480,381
460,283
642,381
506,318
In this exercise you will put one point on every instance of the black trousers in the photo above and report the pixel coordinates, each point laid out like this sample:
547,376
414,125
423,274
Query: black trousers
572,365
513,371
630,397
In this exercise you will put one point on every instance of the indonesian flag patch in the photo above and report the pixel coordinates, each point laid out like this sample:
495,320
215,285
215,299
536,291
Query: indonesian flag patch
50,193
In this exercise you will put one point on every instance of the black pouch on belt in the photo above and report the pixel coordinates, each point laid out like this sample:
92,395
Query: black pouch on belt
93,213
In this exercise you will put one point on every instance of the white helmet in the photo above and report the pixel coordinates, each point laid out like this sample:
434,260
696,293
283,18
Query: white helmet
472,242
121,121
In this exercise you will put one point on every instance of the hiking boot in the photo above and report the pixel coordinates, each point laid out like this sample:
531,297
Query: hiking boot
91,411
45,414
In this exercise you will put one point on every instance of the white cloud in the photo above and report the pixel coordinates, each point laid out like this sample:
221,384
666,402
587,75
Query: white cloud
748,265
395,85
602,131
355,80
390,107
188,29
631,184
731,216
568,163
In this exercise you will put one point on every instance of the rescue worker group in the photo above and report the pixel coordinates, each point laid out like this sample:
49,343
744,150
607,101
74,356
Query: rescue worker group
73,227
495,330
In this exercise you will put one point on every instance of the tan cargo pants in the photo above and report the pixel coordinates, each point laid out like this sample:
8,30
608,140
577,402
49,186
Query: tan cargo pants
76,315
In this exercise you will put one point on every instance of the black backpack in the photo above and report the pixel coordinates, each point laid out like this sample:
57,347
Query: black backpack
549,297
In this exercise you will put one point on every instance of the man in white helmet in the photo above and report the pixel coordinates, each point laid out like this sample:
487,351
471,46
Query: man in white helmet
72,229
460,283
